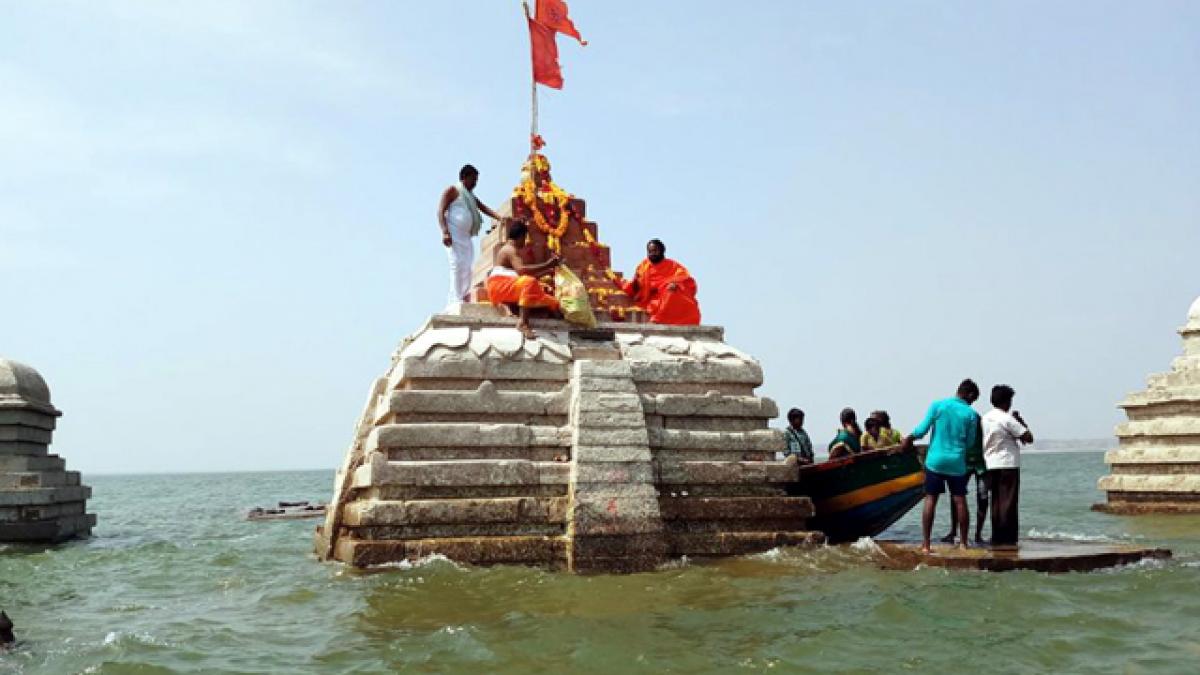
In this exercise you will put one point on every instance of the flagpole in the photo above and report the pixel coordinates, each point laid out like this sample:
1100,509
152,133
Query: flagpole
533,107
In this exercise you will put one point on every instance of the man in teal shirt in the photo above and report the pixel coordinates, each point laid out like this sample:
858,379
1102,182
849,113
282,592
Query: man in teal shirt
955,427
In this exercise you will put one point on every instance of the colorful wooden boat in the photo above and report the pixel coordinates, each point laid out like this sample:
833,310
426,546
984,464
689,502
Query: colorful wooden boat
862,495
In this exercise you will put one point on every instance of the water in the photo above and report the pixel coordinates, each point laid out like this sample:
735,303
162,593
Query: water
176,581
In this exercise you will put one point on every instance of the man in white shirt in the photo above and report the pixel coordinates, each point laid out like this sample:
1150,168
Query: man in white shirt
1003,432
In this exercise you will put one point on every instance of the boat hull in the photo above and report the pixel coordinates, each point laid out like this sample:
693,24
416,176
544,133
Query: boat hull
862,495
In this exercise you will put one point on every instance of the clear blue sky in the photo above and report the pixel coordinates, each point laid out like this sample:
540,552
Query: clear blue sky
217,218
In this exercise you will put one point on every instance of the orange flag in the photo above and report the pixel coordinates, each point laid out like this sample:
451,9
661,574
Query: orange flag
553,14
545,55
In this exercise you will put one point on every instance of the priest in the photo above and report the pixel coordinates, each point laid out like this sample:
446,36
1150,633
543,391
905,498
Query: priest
512,281
664,288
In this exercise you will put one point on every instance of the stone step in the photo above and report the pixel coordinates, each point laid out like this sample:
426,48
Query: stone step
738,543
38,479
716,473
52,530
1143,454
709,404
1171,426
18,463
1151,483
27,418
766,440
533,550
22,448
717,424
462,473
446,511
466,435
484,400
38,496
42,512
676,455
22,434
748,525
456,530
735,508
532,454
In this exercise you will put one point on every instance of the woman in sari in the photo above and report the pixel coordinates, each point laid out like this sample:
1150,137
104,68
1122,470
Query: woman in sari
846,442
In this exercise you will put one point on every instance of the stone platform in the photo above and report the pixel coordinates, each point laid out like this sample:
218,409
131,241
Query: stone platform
40,501
1039,555
612,449
1156,469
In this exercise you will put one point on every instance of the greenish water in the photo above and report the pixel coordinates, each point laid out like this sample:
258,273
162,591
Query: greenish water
176,581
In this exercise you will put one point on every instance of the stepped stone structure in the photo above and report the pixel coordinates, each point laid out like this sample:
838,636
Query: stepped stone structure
40,501
1156,469
611,449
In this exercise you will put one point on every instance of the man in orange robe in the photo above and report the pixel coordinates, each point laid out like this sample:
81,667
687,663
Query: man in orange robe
664,288
512,281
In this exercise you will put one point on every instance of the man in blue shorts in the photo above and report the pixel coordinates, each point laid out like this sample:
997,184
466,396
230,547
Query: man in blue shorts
955,427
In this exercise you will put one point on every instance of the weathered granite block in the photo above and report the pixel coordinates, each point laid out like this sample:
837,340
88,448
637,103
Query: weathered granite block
22,448
19,463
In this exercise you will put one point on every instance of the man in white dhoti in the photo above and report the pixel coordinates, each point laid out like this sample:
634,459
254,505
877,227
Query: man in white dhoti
460,220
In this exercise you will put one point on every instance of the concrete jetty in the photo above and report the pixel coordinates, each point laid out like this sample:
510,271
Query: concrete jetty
1039,555
1156,469
40,501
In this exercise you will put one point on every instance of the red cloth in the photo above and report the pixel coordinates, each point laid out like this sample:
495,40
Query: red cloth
545,55
664,304
553,14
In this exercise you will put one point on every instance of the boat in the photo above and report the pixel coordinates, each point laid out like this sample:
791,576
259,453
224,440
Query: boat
286,511
862,495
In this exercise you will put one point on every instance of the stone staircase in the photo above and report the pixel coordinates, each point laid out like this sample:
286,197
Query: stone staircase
40,501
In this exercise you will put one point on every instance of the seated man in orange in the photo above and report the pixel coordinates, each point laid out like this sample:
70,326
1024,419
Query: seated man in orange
513,281
664,288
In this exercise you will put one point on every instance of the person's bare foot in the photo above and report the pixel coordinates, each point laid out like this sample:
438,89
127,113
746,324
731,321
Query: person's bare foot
926,550
526,331
963,546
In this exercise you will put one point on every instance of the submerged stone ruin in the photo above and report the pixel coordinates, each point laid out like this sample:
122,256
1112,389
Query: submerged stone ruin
40,501
1156,469
612,449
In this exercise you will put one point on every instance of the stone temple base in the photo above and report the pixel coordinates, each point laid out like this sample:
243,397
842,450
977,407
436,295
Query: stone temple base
40,501
1156,469
605,450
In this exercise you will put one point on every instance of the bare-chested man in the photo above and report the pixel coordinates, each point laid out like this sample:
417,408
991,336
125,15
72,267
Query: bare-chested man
514,281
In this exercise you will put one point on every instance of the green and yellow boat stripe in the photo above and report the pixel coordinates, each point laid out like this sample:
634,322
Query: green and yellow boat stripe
869,493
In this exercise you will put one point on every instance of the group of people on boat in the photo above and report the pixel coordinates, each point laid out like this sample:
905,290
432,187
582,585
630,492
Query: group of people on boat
962,445
849,440
660,286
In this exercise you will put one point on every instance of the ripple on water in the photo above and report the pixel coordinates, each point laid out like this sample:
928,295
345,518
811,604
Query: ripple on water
183,584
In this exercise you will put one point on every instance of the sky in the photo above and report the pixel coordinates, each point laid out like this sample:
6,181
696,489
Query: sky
217,219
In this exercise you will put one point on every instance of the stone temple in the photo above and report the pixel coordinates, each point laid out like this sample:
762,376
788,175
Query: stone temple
1156,469
612,449
40,501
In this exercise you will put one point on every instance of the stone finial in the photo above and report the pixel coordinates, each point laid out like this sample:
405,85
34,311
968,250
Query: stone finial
1193,322
23,387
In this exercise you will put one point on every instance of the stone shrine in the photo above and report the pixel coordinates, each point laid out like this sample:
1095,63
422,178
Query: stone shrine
1157,466
606,449
40,501
612,449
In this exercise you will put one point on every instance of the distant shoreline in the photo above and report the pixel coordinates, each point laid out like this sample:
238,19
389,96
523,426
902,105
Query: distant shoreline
1047,447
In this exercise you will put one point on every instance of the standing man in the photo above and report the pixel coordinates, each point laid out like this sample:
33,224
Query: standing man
1001,432
798,442
955,427
460,220
664,288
